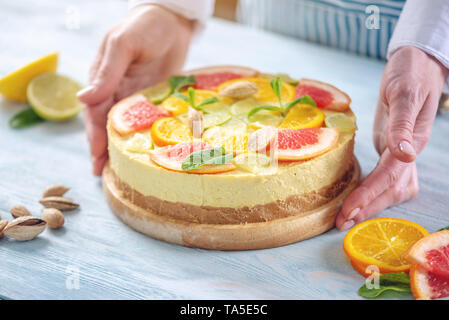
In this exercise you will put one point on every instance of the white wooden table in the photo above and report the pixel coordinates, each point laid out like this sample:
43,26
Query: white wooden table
113,261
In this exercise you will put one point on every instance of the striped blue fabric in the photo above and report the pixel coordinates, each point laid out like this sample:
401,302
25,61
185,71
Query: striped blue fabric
336,23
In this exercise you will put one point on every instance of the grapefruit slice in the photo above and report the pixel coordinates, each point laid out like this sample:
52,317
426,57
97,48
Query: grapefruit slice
432,253
325,95
210,78
171,158
135,113
302,144
427,285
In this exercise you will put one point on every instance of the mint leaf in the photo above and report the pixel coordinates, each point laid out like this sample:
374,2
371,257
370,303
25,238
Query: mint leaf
267,107
178,82
397,282
303,100
199,158
445,228
180,96
25,118
207,101
276,85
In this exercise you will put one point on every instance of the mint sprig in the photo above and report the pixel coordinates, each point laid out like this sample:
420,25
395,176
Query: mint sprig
178,82
190,99
397,282
199,158
276,86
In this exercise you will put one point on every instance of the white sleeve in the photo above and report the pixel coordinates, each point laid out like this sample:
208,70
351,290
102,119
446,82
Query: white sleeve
425,25
198,10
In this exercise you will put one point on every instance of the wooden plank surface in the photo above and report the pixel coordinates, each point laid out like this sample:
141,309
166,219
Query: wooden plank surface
113,261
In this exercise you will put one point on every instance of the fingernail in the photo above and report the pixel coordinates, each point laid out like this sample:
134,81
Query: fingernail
348,224
84,90
406,148
353,213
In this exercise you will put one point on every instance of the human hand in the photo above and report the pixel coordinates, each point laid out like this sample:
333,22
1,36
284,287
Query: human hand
146,47
409,94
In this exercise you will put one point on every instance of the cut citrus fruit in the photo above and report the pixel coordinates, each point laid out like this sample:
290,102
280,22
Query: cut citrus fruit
14,85
252,162
341,121
243,107
139,143
303,116
210,78
432,253
171,157
325,95
260,140
265,93
216,114
170,130
265,118
382,242
178,106
232,136
302,144
427,285
283,76
135,113
53,97
157,93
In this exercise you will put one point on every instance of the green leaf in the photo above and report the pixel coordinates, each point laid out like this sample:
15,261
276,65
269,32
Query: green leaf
181,96
397,282
267,107
178,82
199,158
207,101
276,85
25,118
445,228
303,100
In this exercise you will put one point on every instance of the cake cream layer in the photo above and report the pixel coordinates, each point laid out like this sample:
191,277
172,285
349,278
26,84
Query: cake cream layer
234,189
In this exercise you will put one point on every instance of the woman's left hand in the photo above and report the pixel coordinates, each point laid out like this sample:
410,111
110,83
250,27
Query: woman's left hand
409,93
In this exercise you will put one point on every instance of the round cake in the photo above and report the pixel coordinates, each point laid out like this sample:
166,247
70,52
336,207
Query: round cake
229,158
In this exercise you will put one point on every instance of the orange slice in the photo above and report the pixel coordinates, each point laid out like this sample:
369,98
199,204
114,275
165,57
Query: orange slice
178,106
382,242
303,116
265,94
167,131
427,285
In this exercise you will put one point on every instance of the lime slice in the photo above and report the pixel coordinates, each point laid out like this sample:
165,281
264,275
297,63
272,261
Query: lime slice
53,96
243,107
157,93
216,114
283,76
252,162
139,143
265,118
341,121
14,85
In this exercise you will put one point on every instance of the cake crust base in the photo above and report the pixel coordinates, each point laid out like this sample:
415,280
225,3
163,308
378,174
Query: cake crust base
258,235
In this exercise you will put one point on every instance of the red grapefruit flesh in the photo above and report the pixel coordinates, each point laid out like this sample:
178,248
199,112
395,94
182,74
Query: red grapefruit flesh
302,144
209,78
432,253
135,114
325,95
427,285
171,158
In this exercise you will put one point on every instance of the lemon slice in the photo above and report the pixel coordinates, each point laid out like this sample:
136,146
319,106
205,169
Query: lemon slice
53,96
14,85
341,121
158,93
252,162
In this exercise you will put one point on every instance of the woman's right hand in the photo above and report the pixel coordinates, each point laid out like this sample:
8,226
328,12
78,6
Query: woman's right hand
146,47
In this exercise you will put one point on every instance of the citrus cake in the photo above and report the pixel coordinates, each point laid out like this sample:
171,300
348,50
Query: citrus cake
227,157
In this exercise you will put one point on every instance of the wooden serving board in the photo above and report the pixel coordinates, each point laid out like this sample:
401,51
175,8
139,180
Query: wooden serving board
226,236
